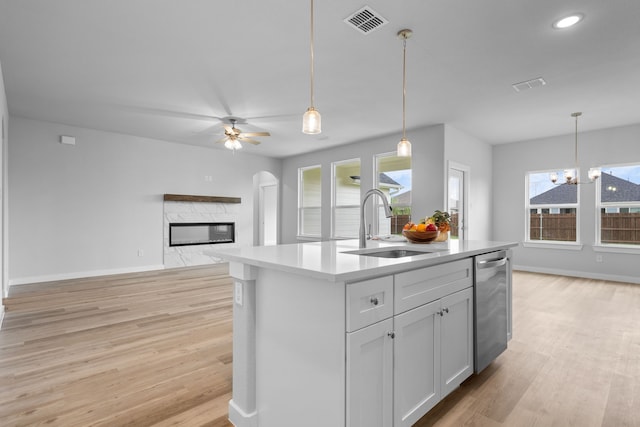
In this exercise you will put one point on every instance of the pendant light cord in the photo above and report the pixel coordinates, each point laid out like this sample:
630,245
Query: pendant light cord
404,84
311,31
576,147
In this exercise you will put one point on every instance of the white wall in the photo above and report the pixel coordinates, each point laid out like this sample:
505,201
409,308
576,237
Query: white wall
512,161
86,209
469,151
427,168
4,128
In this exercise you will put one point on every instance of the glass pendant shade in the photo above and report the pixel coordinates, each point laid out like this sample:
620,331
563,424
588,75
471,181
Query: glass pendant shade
594,173
311,122
553,177
233,144
404,148
569,174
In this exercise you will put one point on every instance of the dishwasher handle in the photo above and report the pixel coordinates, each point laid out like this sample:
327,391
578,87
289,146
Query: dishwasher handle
492,263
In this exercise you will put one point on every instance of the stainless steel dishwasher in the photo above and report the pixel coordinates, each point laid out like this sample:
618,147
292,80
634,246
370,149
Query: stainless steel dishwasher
490,296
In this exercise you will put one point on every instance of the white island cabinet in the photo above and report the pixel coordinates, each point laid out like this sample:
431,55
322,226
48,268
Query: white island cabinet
322,337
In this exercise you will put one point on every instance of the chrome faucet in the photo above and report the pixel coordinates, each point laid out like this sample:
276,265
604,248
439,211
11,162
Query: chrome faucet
387,212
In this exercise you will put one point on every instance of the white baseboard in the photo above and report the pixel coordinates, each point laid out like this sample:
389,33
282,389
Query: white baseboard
583,274
82,274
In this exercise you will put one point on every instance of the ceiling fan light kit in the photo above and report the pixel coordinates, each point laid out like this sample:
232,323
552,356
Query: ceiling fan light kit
404,146
311,120
571,175
233,136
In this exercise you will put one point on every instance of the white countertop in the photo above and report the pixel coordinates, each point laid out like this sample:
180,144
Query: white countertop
327,260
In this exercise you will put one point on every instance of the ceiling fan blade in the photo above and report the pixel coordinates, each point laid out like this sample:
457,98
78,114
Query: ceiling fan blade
228,129
250,141
256,134
222,140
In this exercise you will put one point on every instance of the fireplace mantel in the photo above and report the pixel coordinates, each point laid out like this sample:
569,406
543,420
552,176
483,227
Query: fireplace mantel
203,199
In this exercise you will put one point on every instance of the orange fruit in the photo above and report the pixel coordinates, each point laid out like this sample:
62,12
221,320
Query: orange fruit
421,227
407,226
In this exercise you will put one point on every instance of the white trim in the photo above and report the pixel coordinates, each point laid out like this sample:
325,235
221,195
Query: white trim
82,274
239,418
581,274
1,315
466,182
548,244
621,249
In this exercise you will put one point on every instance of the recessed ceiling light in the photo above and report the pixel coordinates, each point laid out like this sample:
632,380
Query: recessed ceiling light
568,21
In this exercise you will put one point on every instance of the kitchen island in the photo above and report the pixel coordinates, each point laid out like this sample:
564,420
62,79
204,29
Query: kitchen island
325,334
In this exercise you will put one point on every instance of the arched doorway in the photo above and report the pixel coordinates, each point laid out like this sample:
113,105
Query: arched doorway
266,209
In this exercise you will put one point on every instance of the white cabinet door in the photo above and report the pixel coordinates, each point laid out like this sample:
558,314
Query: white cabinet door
416,363
456,339
370,376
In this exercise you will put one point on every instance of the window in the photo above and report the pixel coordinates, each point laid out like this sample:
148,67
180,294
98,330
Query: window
394,180
346,199
618,199
552,210
309,201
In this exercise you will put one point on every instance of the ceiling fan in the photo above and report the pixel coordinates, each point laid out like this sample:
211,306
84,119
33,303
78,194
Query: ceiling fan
233,136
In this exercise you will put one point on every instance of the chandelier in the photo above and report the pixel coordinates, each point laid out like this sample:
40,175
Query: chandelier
571,175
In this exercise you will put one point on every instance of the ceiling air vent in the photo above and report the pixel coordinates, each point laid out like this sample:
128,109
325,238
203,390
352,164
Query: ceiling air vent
529,84
365,20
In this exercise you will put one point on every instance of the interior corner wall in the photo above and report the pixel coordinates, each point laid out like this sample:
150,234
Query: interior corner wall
87,209
427,175
477,155
602,147
4,116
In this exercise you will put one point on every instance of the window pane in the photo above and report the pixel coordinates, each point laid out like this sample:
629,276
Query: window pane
544,192
311,187
347,222
310,221
346,182
620,184
622,227
553,226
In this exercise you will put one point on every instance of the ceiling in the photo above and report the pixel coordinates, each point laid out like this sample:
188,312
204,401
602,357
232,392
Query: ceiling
171,70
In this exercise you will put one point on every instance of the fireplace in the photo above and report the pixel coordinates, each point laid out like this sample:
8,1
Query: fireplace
201,233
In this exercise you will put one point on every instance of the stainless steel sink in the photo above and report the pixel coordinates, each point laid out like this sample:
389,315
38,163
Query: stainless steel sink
392,252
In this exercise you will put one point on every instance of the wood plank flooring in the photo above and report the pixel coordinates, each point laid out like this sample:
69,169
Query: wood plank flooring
154,349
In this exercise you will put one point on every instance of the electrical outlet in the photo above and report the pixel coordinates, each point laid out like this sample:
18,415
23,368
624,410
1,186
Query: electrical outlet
238,293
140,252
598,258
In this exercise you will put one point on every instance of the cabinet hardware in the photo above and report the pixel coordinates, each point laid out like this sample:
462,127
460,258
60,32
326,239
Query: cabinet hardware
374,300
441,313
392,335
446,310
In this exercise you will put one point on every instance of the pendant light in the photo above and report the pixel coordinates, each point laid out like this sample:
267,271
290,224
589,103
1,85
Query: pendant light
311,121
404,146
571,175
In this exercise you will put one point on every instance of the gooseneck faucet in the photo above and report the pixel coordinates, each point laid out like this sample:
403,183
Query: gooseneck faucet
387,212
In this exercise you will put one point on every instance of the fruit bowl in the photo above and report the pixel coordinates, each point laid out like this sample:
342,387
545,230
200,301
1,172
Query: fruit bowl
420,236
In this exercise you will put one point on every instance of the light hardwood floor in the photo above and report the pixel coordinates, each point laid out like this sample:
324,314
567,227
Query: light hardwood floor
155,349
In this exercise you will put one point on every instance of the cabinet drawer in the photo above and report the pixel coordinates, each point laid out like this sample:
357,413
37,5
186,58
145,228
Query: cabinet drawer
369,301
417,287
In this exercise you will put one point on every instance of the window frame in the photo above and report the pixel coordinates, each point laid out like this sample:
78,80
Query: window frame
301,208
376,180
334,193
555,244
599,246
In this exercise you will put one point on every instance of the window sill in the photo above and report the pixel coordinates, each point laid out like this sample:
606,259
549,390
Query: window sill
569,246
621,249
